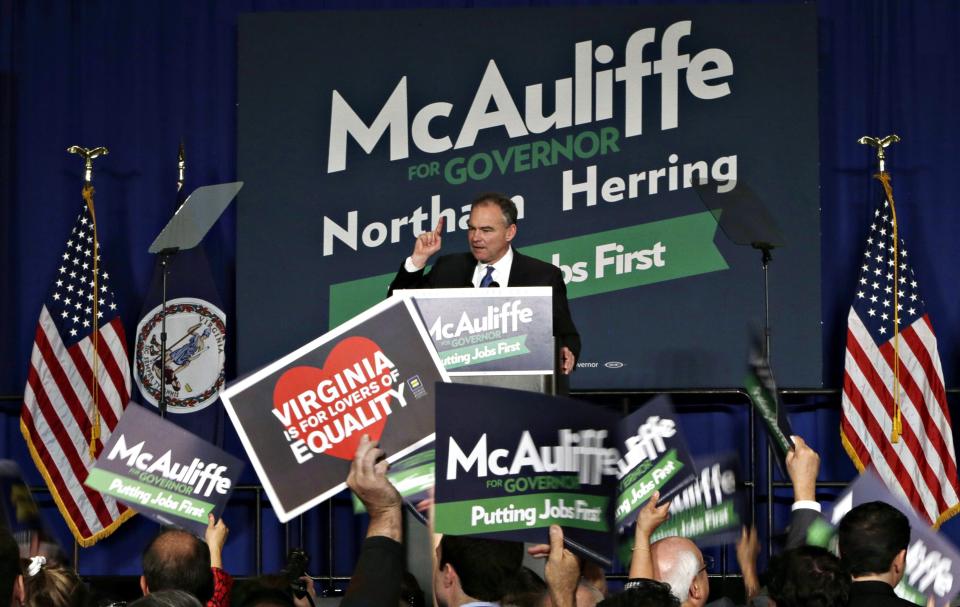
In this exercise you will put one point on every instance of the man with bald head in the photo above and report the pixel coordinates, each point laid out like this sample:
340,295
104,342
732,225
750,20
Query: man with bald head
178,560
680,563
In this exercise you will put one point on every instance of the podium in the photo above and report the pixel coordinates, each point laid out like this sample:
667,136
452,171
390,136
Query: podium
501,336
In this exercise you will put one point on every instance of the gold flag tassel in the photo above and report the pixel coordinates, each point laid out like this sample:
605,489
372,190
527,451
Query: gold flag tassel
88,155
95,384
880,143
884,179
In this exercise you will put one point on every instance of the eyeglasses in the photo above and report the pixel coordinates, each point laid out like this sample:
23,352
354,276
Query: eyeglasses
707,563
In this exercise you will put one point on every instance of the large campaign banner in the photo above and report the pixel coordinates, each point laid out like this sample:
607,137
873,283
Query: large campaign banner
301,417
625,135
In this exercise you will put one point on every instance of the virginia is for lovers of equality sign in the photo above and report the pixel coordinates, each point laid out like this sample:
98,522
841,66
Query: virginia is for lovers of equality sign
164,472
301,418
359,130
511,463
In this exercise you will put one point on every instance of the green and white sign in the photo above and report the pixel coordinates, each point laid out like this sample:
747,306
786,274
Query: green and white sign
164,472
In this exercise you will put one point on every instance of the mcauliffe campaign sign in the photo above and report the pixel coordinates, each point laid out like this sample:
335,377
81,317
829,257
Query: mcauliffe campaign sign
164,472
302,416
511,463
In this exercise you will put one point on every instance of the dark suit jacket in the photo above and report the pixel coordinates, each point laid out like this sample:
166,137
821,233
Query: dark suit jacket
800,521
456,270
875,594
378,575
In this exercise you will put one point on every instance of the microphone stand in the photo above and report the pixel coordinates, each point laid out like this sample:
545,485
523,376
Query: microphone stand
765,259
165,256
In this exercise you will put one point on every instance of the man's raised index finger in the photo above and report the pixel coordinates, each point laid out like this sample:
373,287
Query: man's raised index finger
439,229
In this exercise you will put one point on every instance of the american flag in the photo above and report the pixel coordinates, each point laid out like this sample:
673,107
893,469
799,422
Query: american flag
920,465
58,413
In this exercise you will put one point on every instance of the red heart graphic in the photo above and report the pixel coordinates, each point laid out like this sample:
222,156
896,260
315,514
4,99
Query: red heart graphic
298,380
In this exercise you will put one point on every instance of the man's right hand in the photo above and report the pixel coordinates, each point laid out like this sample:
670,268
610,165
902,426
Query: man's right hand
427,244
803,465
562,571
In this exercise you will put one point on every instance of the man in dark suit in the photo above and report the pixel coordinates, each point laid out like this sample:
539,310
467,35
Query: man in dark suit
873,540
492,261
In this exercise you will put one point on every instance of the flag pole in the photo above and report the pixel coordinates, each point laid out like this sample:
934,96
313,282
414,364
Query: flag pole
181,166
88,155
164,262
880,144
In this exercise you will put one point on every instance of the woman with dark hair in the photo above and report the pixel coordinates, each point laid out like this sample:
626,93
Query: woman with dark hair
808,576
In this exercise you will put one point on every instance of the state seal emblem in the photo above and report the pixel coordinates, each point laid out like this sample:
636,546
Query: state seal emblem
194,367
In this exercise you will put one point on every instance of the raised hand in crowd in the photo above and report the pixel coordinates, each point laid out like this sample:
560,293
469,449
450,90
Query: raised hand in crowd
310,598
378,575
216,537
562,571
649,518
748,549
803,466
368,481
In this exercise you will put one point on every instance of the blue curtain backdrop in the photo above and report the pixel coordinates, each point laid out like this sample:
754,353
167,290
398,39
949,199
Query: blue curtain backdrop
139,76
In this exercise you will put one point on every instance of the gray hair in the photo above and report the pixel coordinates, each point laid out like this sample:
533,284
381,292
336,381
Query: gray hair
680,573
167,598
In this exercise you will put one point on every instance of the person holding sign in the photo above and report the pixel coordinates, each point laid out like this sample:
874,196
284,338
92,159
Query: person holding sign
492,261
379,572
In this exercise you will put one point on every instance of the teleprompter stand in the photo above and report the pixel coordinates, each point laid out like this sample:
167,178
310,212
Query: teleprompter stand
189,224
746,221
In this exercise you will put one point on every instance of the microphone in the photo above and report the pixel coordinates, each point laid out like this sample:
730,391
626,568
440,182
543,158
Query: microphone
493,284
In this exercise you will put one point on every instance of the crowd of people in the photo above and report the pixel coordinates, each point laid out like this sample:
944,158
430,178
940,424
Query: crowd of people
181,570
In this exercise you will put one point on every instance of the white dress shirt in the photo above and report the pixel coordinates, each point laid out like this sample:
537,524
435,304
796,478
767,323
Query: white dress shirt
501,270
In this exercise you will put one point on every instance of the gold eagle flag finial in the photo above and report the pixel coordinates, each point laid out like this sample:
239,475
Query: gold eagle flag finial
880,143
88,155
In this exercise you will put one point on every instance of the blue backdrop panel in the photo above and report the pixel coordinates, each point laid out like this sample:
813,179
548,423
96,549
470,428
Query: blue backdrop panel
342,170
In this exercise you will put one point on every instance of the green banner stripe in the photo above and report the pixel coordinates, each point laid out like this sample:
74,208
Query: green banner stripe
502,348
638,493
598,263
699,521
631,477
129,490
411,461
630,257
522,512
408,482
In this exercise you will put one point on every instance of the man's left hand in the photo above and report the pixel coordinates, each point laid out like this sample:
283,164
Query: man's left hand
567,360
